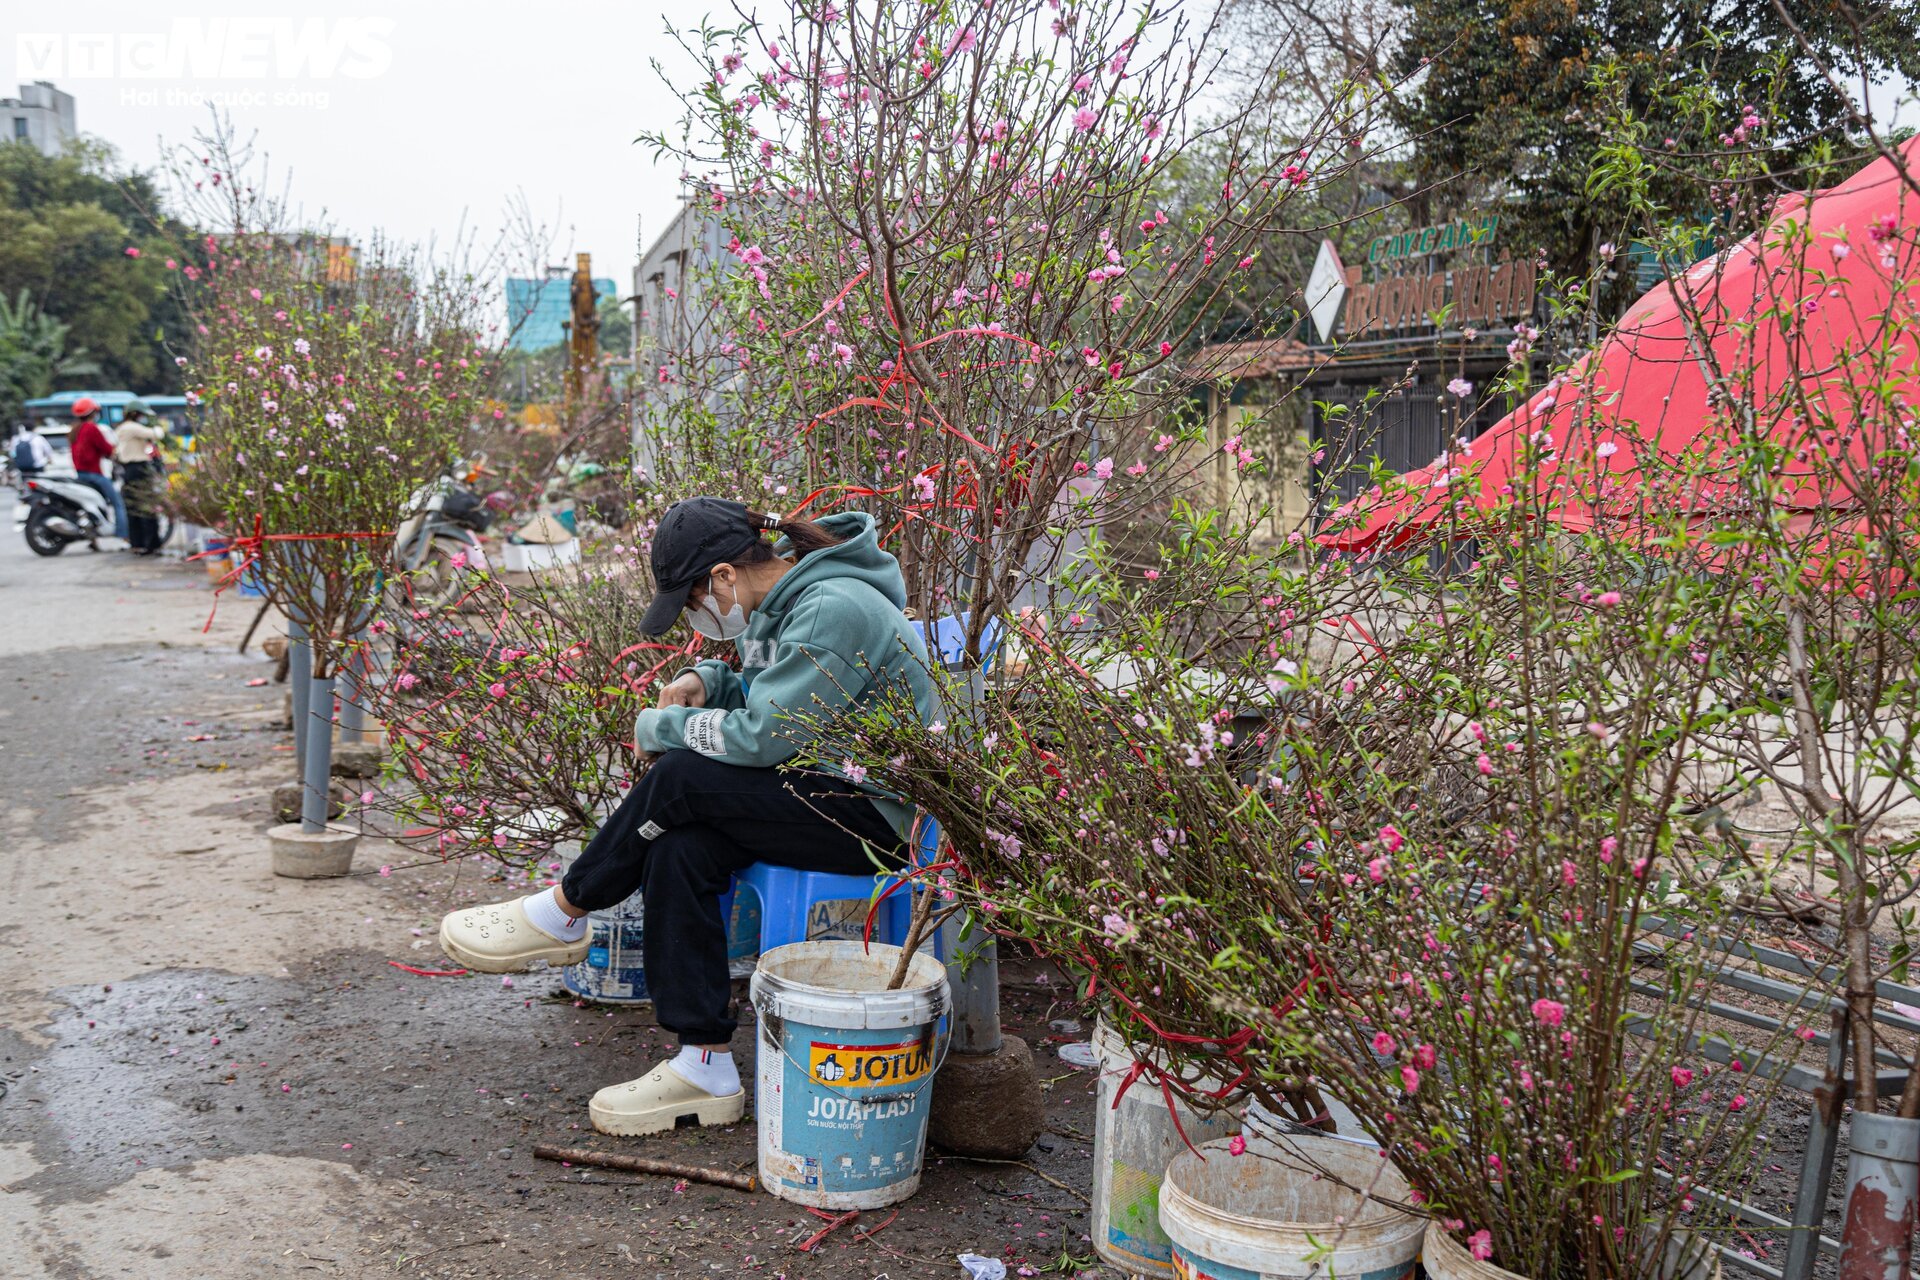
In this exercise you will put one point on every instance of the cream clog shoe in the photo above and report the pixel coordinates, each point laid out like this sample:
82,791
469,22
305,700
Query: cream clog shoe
660,1100
500,939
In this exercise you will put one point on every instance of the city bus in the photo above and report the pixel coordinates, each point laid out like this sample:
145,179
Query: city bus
52,417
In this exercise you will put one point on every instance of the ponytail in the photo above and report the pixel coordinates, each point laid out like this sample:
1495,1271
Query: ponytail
804,536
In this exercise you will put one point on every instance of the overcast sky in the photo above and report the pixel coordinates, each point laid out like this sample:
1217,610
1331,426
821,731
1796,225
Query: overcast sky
406,117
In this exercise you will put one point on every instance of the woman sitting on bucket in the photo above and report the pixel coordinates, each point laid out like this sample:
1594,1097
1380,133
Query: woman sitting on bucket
816,618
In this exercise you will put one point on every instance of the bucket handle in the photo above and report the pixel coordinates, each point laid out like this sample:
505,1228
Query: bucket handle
943,1047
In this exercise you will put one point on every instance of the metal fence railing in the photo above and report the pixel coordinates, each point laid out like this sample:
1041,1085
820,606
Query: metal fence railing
1803,991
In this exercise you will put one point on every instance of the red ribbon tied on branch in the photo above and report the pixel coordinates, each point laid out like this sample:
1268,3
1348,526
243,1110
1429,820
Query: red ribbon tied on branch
250,545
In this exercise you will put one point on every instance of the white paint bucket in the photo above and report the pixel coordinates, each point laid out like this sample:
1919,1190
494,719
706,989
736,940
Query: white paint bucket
845,1071
1288,1210
1444,1258
1262,1124
1133,1139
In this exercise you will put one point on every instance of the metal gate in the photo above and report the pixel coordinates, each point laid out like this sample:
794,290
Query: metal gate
1399,431
1355,432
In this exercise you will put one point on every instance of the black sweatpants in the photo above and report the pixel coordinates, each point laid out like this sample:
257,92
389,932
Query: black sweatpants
140,489
678,837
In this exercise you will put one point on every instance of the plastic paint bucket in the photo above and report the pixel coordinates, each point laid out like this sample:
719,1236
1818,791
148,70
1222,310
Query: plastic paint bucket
248,583
1289,1210
1132,1144
1444,1258
845,1072
1262,1125
742,911
615,970
214,556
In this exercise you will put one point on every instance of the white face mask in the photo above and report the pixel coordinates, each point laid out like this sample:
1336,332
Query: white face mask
713,624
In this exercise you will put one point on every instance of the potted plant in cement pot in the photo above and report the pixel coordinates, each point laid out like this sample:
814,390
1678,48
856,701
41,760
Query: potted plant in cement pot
331,382
1829,544
1787,454
1105,785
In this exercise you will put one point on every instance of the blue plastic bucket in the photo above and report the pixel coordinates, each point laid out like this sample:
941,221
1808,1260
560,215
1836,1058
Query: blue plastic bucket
248,583
845,1071
615,971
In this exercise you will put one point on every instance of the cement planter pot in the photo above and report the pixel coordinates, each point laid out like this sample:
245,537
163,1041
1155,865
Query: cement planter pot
290,797
312,855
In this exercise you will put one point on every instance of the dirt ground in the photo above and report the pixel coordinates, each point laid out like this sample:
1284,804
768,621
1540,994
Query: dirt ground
209,1072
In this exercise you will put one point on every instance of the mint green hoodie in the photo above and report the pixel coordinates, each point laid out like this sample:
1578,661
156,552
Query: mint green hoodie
830,634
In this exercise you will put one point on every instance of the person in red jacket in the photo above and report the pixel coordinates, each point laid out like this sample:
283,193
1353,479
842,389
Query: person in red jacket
91,449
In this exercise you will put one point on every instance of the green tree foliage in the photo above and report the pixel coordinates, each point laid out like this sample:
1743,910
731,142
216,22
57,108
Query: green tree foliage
1503,98
66,225
616,328
35,351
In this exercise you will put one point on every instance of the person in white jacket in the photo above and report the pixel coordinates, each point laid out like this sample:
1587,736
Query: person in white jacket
30,452
136,451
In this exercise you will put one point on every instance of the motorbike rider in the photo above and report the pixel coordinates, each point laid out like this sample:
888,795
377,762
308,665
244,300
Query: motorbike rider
135,448
90,450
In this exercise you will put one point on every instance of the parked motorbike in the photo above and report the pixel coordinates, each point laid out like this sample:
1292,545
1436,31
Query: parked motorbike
433,546
60,512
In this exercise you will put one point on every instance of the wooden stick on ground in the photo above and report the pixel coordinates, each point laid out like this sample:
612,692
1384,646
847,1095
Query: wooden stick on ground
640,1164
254,626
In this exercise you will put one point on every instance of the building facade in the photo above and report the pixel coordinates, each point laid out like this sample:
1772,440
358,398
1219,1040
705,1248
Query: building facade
1388,370
673,327
539,310
669,285
42,115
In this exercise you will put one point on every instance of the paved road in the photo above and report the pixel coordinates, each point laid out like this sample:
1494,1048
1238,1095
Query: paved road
208,1072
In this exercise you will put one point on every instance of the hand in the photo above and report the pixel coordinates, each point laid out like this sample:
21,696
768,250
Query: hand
687,690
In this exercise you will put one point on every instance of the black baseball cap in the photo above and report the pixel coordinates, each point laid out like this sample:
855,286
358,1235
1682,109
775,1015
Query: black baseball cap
695,535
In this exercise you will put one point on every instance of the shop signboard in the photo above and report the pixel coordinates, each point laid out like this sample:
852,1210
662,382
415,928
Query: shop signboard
1412,275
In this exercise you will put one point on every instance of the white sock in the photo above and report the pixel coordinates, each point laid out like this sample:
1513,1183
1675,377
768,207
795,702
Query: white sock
708,1069
546,916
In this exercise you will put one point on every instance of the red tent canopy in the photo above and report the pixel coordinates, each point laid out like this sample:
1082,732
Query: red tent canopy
1801,334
